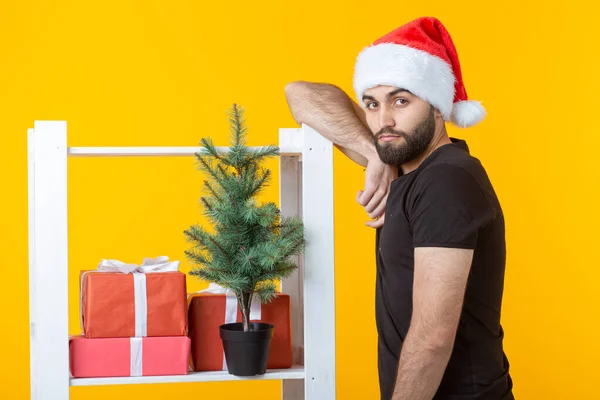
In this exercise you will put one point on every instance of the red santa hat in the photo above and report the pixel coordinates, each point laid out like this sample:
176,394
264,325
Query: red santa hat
421,58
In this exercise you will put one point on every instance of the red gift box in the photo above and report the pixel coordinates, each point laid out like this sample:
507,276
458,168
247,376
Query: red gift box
116,357
207,312
118,303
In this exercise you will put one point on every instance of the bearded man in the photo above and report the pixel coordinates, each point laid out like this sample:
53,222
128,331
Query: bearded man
440,230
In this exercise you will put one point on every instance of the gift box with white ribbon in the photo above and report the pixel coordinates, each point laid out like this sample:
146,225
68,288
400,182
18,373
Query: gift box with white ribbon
212,307
118,357
129,300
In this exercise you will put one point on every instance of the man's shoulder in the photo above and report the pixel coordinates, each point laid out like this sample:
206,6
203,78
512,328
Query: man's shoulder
456,155
451,171
454,164
449,202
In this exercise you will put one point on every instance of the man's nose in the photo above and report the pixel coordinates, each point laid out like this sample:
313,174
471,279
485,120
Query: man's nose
386,119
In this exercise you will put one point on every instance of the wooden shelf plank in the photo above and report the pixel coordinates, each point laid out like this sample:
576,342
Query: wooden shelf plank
296,372
287,150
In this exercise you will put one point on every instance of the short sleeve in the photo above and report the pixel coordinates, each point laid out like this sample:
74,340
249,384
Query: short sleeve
448,208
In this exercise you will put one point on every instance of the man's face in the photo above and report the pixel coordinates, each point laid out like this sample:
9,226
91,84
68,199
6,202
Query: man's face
403,125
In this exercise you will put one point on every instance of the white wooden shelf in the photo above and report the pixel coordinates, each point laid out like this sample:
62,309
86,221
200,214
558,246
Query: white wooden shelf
296,372
306,190
152,151
290,144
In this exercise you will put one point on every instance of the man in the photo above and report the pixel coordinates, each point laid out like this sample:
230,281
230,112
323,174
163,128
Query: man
441,250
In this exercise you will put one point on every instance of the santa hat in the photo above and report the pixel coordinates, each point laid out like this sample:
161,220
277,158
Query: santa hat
421,58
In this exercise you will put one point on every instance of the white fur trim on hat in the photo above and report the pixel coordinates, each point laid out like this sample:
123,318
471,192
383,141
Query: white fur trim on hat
423,74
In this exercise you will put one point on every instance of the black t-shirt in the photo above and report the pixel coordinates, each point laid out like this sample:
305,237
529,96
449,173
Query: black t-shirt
447,201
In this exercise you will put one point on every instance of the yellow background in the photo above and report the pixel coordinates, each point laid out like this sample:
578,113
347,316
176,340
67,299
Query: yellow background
164,73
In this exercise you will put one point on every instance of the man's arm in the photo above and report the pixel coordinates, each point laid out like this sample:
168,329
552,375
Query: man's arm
328,110
446,216
439,286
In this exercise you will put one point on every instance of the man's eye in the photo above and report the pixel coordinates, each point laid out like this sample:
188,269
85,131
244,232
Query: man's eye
371,105
401,102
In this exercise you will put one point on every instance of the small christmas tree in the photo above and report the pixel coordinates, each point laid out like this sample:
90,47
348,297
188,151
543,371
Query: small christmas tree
252,246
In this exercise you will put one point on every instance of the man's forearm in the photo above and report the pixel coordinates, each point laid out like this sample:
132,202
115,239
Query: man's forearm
330,111
420,369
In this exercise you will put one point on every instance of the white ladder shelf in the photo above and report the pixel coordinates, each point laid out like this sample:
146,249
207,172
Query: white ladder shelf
306,190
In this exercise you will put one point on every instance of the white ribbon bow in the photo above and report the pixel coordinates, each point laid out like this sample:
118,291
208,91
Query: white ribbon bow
231,307
158,264
149,265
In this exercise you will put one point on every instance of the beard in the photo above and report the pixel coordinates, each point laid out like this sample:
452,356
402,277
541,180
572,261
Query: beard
415,142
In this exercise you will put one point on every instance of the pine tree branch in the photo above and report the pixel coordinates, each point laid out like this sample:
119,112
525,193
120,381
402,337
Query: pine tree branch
236,283
223,173
196,234
237,125
293,248
215,271
266,256
291,228
212,150
212,190
203,241
207,275
246,262
197,258
268,215
205,166
258,185
282,271
218,246
266,291
206,204
250,214
266,151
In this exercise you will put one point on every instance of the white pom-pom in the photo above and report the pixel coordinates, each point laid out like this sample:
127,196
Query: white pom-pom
467,113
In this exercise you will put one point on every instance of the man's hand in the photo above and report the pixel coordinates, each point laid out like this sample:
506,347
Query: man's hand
373,198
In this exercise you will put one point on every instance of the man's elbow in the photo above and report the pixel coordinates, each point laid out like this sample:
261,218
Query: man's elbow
296,94
307,98
439,341
305,88
292,88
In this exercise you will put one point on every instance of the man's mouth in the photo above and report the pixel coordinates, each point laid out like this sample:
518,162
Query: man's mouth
388,138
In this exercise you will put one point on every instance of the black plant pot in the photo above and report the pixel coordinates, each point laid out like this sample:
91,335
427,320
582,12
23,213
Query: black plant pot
246,353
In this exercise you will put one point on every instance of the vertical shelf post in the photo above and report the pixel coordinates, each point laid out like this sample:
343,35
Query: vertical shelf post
48,261
319,278
290,200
